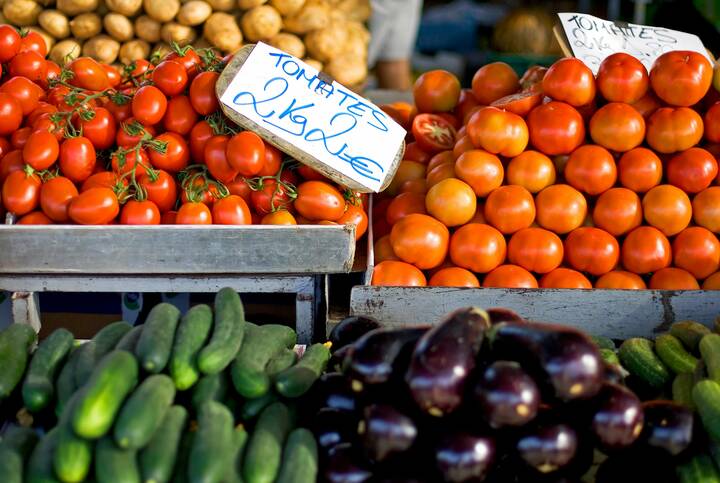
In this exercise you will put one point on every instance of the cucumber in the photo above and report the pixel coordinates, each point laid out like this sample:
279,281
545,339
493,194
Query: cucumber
637,356
129,341
15,342
609,356
110,383
706,396
19,439
180,472
228,332
297,380
192,333
143,412
156,340
211,451
114,464
211,387
251,408
233,473
65,385
673,354
73,454
40,465
682,389
11,466
283,360
710,352
300,458
263,456
261,345
699,469
603,342
689,332
103,342
158,458
38,389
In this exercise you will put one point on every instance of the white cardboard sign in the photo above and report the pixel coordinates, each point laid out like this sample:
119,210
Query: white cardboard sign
324,119
593,39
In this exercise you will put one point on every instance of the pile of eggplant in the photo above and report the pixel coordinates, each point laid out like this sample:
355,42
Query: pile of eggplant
487,396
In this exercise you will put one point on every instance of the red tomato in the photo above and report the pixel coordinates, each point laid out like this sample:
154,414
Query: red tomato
240,187
35,218
37,113
681,77
168,218
231,210
555,128
33,41
405,204
101,129
9,43
19,138
193,213
318,200
121,112
498,132
28,64
77,158
436,91
11,114
5,147
176,156
466,102
591,169
102,179
124,163
188,58
355,215
394,273
493,81
617,126
645,250
246,153
199,136
132,132
414,152
21,192
41,150
96,206
180,117
217,161
510,276
565,278
149,105
570,80
433,133
140,213
202,93
521,103
674,129
533,77
170,77
160,188
113,74
269,197
273,161
88,74
692,170
622,78
307,173
591,250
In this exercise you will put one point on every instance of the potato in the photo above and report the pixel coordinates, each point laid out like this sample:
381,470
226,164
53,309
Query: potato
356,10
147,29
49,39
287,7
162,10
347,70
290,43
161,49
194,12
86,25
54,23
102,48
65,51
248,4
180,34
357,30
222,5
119,27
134,50
316,64
76,7
21,13
327,43
315,14
129,8
223,32
261,23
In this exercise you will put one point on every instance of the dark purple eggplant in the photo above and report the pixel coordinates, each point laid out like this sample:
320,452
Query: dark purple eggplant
333,427
618,418
614,374
668,426
444,358
386,431
333,391
338,358
498,315
351,329
548,447
569,360
344,466
507,395
465,457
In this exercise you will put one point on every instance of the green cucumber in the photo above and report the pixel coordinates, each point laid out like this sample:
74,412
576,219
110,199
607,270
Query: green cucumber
73,454
211,387
65,385
706,396
156,340
689,332
15,342
682,389
699,469
251,408
19,439
637,356
263,456
38,389
40,465
227,335
300,458
609,356
261,345
192,333
283,360
233,473
158,458
211,451
710,352
603,342
129,341
297,380
674,355
103,342
110,383
180,472
114,464
11,466
143,412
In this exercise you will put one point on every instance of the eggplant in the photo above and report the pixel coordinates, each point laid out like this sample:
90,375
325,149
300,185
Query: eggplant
351,329
668,426
465,457
618,418
386,431
443,360
338,357
614,373
548,447
333,391
344,466
566,357
333,427
498,315
507,395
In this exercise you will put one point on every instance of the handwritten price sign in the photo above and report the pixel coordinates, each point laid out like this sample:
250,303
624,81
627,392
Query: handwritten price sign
314,119
593,39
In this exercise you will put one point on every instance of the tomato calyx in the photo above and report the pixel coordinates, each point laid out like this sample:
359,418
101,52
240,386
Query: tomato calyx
218,123
282,189
195,181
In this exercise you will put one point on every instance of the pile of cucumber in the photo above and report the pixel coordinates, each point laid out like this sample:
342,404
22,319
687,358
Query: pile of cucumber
203,397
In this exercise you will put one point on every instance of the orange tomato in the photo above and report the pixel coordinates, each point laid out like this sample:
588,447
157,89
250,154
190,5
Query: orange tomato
532,170
564,278
697,250
622,78
536,249
408,170
391,273
692,170
414,186
405,204
510,208
673,278
477,247
555,128
646,105
462,145
279,217
443,157
510,276
640,169
483,171
383,250
681,77
493,81
591,169
645,250
451,201
560,208
667,208
618,211
453,277
570,80
498,131
355,215
521,103
706,209
420,240
617,126
466,103
620,280
712,123
712,282
479,216
439,173
436,91
672,129
591,250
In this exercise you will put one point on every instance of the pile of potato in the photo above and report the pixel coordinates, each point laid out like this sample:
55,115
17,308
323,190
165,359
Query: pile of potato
328,34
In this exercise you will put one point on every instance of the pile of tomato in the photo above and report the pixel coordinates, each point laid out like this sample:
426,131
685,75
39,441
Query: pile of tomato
90,144
557,179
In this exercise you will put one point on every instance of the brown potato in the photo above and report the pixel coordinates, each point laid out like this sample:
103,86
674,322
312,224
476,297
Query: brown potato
147,29
194,12
21,13
222,5
86,25
315,14
162,10
76,7
134,50
65,51
119,27
287,7
327,43
290,43
356,10
55,23
180,34
222,31
129,8
261,23
347,70
102,48
248,4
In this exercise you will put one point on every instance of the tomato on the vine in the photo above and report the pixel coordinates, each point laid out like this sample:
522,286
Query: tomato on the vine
35,218
170,77
121,112
246,153
160,188
318,200
308,173
217,161
33,41
202,93
433,133
140,213
77,158
193,213
125,139
11,114
55,197
28,64
239,186
21,192
101,129
41,150
88,74
103,179
176,156
180,117
273,161
199,136
26,92
269,197
231,210
19,138
149,105
10,162
96,206
9,43
189,59
127,162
